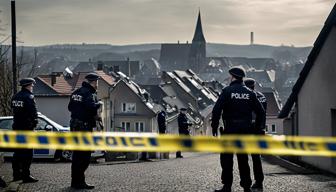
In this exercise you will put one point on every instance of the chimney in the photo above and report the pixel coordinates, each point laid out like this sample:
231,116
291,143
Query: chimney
252,38
129,67
187,42
146,96
100,66
53,78
178,42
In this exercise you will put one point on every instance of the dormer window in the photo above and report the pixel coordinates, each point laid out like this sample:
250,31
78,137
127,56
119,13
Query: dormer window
128,107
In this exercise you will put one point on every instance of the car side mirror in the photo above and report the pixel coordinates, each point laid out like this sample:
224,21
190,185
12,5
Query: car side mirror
49,128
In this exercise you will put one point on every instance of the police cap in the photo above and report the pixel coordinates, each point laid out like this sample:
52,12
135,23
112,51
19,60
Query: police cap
237,72
27,81
249,82
183,109
92,77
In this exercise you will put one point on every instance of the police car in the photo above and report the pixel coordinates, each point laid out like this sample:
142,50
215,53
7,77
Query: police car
45,124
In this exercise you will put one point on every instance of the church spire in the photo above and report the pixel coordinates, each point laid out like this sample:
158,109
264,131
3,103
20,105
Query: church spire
198,36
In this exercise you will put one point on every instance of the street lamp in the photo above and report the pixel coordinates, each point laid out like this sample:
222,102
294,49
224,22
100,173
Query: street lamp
14,46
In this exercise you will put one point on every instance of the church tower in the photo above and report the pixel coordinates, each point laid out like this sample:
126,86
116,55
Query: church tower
197,55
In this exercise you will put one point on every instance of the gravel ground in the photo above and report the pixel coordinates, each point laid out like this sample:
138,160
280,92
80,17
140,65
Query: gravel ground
196,172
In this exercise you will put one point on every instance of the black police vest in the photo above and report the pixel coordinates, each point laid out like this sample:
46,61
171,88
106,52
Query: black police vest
24,110
83,104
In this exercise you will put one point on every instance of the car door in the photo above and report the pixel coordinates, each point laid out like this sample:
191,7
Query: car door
6,125
43,125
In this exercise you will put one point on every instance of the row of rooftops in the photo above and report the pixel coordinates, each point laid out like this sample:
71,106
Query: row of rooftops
156,97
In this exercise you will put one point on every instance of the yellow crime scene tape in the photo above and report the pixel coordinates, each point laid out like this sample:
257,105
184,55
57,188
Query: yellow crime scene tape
136,142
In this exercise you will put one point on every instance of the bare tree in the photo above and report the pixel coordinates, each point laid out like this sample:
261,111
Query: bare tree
33,69
6,84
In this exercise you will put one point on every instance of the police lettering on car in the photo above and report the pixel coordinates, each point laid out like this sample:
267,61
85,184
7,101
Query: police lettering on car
24,118
236,105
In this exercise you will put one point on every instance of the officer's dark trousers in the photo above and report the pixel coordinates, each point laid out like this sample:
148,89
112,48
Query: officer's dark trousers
257,169
80,162
21,162
179,153
226,160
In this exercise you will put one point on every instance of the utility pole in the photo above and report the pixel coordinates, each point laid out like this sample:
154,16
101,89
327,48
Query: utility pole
14,47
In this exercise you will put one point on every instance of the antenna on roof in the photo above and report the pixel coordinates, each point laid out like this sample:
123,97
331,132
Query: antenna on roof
68,73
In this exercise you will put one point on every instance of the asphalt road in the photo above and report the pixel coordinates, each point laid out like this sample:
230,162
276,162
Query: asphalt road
196,172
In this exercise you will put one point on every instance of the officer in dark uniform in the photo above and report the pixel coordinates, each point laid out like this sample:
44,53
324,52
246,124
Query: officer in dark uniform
183,125
25,118
236,105
257,166
84,107
161,119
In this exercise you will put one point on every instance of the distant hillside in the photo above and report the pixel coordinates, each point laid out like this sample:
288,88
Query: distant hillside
74,53
86,51
253,51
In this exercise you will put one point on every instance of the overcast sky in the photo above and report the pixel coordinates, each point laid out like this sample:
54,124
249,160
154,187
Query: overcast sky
274,22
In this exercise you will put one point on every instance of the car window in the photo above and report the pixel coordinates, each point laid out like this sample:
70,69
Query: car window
41,125
6,124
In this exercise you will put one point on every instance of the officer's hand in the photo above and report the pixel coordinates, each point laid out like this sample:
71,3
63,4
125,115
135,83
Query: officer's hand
100,104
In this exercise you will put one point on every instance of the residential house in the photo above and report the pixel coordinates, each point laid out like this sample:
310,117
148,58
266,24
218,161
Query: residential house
265,78
311,107
128,67
133,109
52,94
165,95
191,89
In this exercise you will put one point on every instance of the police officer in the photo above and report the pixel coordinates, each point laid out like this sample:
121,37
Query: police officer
236,105
25,118
257,166
162,124
161,119
84,107
183,125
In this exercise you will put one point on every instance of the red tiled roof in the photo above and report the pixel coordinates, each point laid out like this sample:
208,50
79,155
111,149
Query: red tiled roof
107,78
65,86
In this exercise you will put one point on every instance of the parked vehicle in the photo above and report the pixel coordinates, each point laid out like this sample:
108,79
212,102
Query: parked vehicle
45,124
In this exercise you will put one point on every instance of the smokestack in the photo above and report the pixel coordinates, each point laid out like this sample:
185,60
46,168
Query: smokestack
252,38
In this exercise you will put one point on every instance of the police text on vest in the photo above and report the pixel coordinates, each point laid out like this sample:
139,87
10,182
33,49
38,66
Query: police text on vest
240,96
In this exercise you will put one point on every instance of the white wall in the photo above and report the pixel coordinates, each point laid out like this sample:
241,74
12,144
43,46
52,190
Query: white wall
273,120
56,108
317,97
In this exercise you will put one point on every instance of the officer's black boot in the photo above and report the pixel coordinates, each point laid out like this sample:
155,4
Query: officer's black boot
29,179
247,189
179,154
2,183
224,189
81,186
257,185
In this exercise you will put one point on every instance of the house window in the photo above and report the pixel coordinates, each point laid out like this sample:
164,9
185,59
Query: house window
126,126
266,128
128,107
273,128
139,127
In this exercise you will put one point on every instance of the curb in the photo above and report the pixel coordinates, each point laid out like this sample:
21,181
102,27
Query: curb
276,160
